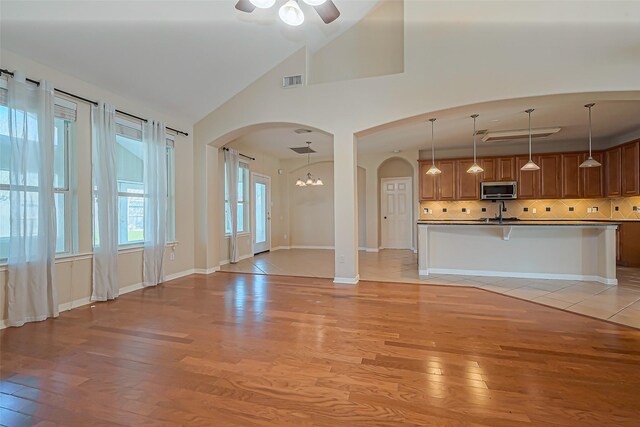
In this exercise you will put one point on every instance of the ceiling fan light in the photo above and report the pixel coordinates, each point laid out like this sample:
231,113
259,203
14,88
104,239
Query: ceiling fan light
590,163
291,14
263,4
475,168
314,2
530,166
433,170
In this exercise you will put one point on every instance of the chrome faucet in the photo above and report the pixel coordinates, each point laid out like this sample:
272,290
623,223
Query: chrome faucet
502,207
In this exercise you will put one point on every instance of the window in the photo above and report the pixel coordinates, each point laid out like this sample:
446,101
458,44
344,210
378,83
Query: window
243,200
130,181
64,133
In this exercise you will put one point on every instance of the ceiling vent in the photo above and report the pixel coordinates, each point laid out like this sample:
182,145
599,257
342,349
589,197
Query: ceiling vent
302,150
508,135
292,81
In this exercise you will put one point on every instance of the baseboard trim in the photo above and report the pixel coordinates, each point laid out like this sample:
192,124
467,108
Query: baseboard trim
515,274
312,247
347,280
280,248
175,276
372,249
206,271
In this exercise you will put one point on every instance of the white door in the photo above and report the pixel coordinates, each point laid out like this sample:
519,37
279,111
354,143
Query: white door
261,213
396,213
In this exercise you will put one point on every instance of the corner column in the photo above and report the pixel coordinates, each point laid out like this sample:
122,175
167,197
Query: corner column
345,208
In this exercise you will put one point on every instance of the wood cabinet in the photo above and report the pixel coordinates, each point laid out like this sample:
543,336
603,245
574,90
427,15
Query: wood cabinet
629,244
489,166
527,180
427,183
630,173
572,187
446,181
550,186
612,172
593,178
506,169
468,183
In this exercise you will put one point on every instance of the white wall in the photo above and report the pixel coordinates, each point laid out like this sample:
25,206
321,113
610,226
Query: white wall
475,54
74,273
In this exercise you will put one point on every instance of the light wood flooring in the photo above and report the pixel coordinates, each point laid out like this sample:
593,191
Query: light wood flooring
620,304
257,350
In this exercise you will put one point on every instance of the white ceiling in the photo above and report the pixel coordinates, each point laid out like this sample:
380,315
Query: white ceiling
613,117
183,57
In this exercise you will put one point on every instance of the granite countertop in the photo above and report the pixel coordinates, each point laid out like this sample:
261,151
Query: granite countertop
510,223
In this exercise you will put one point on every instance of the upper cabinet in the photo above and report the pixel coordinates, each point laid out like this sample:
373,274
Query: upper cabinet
593,178
506,169
468,183
560,176
527,180
446,181
572,187
550,186
613,169
427,183
631,169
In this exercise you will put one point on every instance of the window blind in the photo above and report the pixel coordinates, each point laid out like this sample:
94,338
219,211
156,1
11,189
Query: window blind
63,109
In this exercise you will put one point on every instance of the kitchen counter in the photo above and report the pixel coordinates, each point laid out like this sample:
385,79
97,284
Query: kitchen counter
565,250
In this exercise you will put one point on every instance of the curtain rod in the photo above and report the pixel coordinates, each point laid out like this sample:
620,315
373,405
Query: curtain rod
246,157
92,102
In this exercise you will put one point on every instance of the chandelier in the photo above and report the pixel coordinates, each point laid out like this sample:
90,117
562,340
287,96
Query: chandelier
310,179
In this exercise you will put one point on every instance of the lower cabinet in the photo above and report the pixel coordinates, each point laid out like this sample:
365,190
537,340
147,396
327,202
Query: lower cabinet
629,244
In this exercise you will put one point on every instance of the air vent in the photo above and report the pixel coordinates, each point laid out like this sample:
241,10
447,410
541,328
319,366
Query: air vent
302,150
508,135
292,81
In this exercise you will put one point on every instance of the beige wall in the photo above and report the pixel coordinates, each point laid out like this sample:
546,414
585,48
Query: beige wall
372,47
74,273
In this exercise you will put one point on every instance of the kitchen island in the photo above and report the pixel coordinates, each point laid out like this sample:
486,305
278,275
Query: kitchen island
567,250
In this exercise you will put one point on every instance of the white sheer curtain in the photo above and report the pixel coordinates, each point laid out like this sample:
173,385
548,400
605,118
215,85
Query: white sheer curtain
155,208
232,163
32,239
105,208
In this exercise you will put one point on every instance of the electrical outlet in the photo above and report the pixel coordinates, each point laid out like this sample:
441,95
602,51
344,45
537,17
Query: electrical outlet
594,209
172,257
636,208
468,211
534,210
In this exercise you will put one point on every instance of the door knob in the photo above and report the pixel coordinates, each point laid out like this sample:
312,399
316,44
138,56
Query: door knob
385,217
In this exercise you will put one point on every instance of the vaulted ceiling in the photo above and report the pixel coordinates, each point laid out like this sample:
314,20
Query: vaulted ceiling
182,57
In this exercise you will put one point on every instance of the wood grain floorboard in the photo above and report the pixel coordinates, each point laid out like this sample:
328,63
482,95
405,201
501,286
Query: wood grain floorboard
250,350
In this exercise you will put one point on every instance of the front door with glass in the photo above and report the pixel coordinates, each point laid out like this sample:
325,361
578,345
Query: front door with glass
261,213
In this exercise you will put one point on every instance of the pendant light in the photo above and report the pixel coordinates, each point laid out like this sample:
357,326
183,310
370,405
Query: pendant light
433,170
590,162
475,168
310,181
530,165
291,14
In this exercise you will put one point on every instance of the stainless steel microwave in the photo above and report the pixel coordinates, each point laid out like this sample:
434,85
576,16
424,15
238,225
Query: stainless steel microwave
499,190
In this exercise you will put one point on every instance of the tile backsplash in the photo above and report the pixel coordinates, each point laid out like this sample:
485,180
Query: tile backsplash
588,209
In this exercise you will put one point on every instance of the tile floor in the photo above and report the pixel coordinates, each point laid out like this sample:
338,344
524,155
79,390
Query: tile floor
620,304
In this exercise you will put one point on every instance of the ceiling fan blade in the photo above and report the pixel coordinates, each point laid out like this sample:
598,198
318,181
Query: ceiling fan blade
328,11
245,6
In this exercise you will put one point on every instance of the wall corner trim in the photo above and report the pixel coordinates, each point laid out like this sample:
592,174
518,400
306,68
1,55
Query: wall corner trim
346,280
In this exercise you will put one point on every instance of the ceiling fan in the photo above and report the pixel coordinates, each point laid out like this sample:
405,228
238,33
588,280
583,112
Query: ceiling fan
290,12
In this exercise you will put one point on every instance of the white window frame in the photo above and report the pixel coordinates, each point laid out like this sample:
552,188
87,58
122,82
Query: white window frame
246,202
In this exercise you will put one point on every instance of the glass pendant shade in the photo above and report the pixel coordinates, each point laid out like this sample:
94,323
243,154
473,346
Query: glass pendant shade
475,168
590,162
300,183
263,4
433,170
319,182
530,165
314,2
291,14
309,180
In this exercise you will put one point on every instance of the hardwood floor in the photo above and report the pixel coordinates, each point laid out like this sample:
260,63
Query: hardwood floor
235,349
